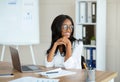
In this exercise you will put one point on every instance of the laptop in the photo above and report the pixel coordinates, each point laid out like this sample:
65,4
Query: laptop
17,65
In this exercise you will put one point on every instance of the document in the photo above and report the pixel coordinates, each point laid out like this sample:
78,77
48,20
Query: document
34,79
56,73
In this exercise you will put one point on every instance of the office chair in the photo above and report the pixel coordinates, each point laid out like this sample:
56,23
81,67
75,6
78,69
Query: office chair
82,61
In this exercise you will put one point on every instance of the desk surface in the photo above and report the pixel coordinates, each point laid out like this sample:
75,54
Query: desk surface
101,76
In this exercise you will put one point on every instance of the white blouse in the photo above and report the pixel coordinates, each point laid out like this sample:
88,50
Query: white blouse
73,62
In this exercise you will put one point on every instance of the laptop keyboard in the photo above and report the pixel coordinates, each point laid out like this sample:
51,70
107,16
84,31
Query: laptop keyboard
25,68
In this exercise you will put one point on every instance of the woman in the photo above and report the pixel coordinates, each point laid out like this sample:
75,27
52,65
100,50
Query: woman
65,51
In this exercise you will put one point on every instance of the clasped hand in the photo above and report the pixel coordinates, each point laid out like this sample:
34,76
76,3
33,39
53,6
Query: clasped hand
65,41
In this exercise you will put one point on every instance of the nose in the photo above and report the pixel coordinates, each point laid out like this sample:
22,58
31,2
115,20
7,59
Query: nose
68,29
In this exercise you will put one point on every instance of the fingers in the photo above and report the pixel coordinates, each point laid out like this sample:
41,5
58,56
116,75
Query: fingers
61,41
64,40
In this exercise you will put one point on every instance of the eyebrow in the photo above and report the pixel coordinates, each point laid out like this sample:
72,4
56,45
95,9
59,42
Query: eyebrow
67,24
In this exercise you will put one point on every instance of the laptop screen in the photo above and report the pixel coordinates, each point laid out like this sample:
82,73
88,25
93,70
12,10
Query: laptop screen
15,58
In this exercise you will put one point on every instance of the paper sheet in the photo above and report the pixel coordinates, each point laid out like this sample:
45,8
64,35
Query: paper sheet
60,72
34,79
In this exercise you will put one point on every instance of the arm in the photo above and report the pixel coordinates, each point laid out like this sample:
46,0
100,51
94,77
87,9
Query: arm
75,60
60,41
49,59
51,53
68,49
50,56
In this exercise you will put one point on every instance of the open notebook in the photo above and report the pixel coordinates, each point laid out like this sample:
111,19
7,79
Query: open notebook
56,73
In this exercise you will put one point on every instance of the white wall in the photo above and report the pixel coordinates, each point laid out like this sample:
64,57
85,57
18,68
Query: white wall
113,37
49,9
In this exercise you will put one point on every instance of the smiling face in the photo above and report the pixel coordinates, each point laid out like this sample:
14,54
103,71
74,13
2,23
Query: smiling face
67,28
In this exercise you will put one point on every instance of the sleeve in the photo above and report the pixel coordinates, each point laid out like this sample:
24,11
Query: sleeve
48,64
75,60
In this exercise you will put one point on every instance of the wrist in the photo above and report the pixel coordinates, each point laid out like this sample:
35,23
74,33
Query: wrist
68,44
55,45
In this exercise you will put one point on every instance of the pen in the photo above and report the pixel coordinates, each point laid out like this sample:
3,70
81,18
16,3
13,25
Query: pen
85,65
5,74
51,72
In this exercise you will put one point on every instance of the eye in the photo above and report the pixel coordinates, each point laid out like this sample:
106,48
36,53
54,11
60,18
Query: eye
71,26
65,27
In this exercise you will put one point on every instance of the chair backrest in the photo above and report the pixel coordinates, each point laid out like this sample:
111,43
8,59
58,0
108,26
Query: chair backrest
82,61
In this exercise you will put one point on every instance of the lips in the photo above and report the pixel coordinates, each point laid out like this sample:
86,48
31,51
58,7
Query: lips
67,34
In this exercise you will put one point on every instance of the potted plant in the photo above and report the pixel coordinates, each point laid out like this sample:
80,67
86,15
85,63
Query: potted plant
93,40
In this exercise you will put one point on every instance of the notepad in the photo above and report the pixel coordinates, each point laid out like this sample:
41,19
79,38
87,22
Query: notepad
34,79
6,71
56,73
